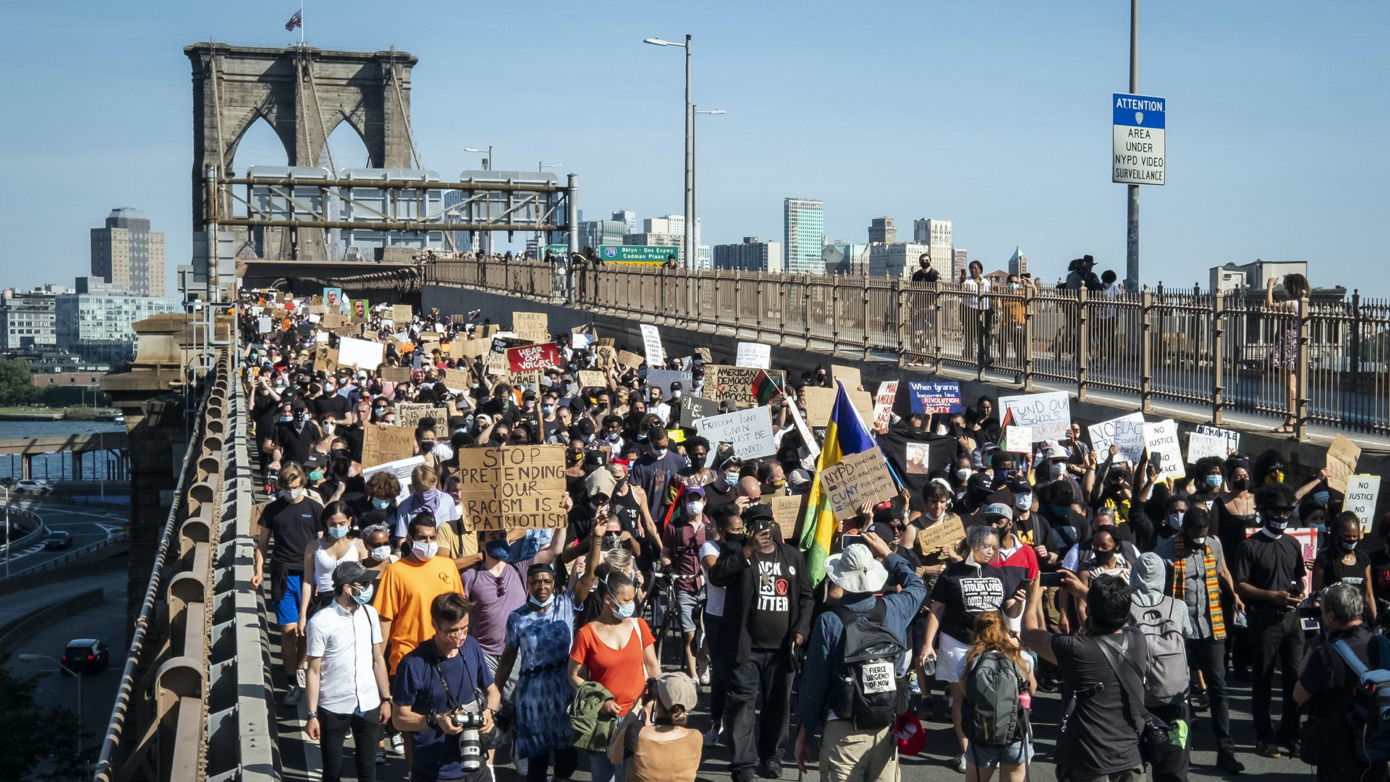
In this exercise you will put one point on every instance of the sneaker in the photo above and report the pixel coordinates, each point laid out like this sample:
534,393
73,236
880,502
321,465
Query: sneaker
1226,761
712,735
292,696
744,775
704,676
960,764
300,679
1267,750
381,757
769,769
396,747
912,684
1290,748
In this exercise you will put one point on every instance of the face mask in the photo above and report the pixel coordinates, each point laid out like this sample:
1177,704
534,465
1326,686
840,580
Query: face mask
299,419
1275,477
547,409
1239,484
624,611
932,516
1348,545
365,596
695,508
730,478
293,495
316,475
497,549
1321,497
963,474
1055,470
328,428
1104,556
379,413
337,532
381,553
675,395
661,453
424,550
426,447
613,437
1023,501
1277,524
380,504
284,419
1061,511
542,603
328,389
1213,482
1175,520
1199,542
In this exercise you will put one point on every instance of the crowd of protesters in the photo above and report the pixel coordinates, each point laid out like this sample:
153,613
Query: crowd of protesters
992,578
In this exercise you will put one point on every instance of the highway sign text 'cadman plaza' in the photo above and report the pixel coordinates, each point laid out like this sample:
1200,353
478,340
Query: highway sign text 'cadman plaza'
624,253
1139,152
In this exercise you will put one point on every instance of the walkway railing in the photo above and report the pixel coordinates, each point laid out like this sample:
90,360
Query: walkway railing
1226,352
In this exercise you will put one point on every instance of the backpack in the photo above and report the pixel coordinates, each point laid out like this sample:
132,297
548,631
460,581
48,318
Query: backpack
990,714
864,685
1166,679
1370,714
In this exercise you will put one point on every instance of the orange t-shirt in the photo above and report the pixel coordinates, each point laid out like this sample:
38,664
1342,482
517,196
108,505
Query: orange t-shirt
620,671
403,596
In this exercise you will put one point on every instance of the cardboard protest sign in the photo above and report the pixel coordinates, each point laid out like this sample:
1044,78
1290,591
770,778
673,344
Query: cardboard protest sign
1361,495
808,439
349,331
605,356
1125,433
883,403
470,348
410,414
401,314
847,375
941,536
333,320
496,364
325,359
704,355
858,478
663,378
516,486
531,326
533,357
486,330
934,396
590,378
381,444
1161,441
360,353
1232,438
754,355
1018,439
748,431
629,359
786,511
863,403
458,380
819,403
395,374
694,409
724,382
1341,462
651,345
521,380
1200,446
401,468
1048,414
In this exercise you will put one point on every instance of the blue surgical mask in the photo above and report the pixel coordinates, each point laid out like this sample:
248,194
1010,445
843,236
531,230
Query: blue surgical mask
1213,481
1321,497
380,504
315,475
497,549
542,604
284,419
337,532
730,478
365,596
624,611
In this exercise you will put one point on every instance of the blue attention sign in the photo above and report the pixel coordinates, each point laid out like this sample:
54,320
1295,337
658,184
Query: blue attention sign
1139,111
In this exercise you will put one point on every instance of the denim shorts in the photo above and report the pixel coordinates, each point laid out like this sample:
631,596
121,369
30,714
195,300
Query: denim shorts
1016,754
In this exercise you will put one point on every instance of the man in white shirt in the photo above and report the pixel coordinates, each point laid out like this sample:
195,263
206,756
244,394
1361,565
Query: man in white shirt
346,685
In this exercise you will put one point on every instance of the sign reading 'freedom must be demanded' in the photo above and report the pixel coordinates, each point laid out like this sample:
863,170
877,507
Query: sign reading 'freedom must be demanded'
1139,150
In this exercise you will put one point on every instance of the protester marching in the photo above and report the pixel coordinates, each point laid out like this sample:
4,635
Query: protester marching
495,548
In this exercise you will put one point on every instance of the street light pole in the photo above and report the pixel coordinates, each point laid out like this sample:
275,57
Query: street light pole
689,200
36,657
1132,199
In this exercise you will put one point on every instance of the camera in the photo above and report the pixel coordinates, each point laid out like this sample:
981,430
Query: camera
759,525
470,741
612,540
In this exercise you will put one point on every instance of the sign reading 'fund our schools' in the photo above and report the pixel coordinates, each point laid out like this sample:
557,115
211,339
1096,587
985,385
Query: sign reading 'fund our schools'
1139,124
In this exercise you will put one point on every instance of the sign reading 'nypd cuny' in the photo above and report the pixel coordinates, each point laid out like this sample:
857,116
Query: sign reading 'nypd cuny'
1139,150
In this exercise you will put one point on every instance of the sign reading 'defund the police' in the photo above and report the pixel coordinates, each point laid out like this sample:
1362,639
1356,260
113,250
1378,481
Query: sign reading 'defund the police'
1139,152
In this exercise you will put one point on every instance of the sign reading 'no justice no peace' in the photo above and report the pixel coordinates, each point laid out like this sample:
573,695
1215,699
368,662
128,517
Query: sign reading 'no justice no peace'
1139,149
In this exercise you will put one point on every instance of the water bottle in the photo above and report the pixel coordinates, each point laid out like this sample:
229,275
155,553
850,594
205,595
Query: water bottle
1240,619
1025,699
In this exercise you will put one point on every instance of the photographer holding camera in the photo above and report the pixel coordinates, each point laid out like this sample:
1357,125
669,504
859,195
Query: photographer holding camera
437,696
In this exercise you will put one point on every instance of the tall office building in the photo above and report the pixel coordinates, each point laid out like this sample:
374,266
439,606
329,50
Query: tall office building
936,234
898,259
749,256
1018,262
803,221
94,322
958,262
597,233
628,219
27,319
127,254
881,231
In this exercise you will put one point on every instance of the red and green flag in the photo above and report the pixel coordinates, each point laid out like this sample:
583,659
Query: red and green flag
764,388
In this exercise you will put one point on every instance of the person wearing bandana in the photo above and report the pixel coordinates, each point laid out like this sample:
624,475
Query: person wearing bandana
1269,571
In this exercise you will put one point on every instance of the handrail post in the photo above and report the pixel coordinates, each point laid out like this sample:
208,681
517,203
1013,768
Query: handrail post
900,297
782,312
936,325
1302,402
1218,368
1028,301
738,303
865,282
1146,368
834,315
1083,340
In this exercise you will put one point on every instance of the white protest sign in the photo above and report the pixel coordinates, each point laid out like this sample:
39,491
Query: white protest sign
1048,414
651,345
883,403
1124,433
1362,493
263,325
360,353
401,468
812,447
663,378
1161,440
1018,439
754,355
1200,446
748,431
1232,438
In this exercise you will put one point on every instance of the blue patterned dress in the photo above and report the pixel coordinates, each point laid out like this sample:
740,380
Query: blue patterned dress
542,695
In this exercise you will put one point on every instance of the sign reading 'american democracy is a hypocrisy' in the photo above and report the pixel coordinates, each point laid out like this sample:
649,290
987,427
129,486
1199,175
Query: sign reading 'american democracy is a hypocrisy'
723,382
516,486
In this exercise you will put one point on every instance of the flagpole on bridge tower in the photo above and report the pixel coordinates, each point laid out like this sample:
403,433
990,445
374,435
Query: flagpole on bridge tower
301,24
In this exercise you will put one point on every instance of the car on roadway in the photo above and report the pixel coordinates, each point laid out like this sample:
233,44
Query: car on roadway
33,486
86,655
58,540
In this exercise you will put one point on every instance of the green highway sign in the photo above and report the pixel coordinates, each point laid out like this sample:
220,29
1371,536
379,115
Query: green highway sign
622,253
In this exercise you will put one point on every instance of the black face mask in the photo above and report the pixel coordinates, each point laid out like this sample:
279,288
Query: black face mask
736,538
1239,484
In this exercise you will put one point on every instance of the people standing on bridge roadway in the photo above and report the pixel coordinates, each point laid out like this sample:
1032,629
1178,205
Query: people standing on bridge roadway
347,687
293,519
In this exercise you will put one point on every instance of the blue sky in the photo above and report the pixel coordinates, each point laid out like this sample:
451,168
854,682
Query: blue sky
994,115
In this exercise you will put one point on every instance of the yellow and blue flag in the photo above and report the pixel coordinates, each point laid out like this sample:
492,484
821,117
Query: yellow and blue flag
844,435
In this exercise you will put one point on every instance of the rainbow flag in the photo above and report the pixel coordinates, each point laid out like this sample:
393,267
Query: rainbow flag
844,435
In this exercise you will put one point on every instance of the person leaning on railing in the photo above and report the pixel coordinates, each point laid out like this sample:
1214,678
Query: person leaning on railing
1285,355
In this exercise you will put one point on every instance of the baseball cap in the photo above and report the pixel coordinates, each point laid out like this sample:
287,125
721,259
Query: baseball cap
353,573
798,477
600,481
676,689
998,510
315,461
696,489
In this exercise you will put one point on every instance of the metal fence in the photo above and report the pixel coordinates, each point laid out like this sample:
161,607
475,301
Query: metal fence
1328,364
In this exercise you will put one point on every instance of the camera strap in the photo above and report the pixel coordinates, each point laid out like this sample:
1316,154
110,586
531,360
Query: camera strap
449,699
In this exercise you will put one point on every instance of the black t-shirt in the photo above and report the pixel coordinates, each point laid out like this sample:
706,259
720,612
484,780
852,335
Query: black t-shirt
968,591
1334,571
1269,563
1102,735
293,527
1331,683
332,406
1034,531
352,435
770,616
296,443
930,275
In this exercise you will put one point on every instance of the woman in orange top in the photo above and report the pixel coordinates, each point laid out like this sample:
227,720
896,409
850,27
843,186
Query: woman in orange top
616,651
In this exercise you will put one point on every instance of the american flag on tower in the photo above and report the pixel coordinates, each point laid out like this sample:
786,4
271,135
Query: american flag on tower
295,21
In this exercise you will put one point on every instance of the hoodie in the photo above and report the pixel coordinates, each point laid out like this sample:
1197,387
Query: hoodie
1146,581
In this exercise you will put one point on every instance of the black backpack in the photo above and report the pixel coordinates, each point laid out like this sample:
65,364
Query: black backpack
864,685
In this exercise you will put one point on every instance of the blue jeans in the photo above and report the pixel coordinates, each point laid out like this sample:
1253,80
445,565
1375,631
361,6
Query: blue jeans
602,770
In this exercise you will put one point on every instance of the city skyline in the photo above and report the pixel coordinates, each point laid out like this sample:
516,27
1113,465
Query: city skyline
1271,153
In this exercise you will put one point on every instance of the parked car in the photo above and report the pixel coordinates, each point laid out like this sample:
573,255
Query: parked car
33,486
86,655
57,540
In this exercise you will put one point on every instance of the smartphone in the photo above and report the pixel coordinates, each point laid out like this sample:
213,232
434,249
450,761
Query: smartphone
847,540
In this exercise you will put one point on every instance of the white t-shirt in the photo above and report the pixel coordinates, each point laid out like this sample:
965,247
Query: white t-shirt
344,640
714,595
981,287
